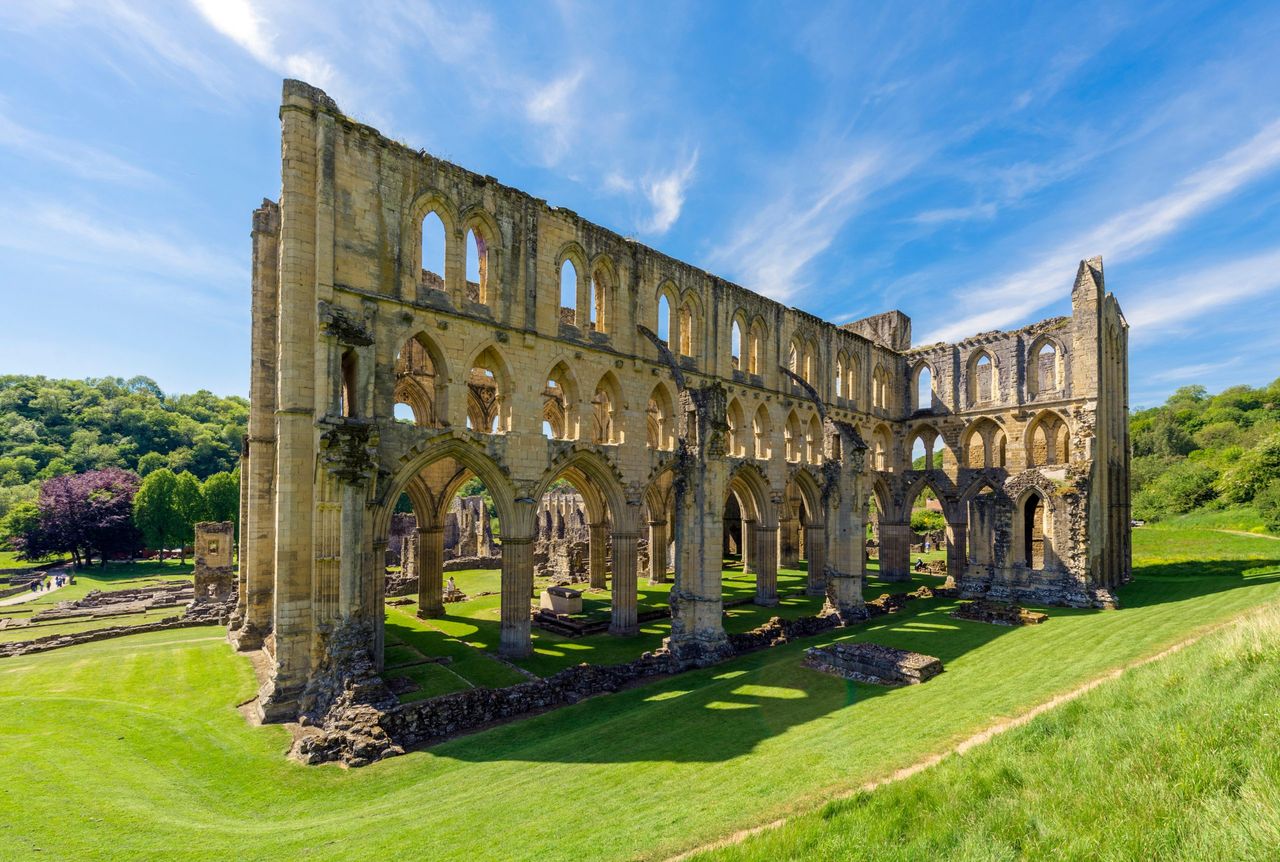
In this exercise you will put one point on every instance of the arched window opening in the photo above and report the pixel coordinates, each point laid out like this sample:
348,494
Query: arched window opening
477,268
659,421
982,379
599,304
924,388
488,410
840,367
813,441
686,329
404,413
1045,374
557,417
420,388
1033,532
793,438
810,373
737,429
735,346
755,353
350,381
664,321
881,443
760,434
433,252
880,388
568,293
604,407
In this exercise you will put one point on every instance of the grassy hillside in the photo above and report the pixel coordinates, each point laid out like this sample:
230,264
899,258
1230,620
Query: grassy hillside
51,427
141,739
1179,759
1209,453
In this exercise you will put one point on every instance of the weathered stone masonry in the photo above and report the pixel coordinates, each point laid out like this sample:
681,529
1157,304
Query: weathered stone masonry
800,422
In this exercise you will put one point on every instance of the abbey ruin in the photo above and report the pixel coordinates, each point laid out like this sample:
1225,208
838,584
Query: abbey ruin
665,395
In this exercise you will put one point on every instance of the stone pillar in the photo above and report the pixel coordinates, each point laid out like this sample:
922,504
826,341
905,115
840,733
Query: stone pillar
766,566
430,550
257,562
788,539
516,639
702,484
895,551
957,549
409,547
845,552
815,543
749,546
625,554
598,558
292,620
658,552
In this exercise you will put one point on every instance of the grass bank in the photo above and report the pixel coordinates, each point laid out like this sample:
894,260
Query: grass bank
1175,760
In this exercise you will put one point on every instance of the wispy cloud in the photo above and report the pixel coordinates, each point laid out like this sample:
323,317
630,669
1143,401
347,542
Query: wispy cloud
1194,371
243,23
75,237
77,158
771,251
1127,235
550,106
1191,296
943,215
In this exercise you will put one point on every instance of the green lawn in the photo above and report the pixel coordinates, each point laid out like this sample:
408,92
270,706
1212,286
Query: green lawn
1176,760
140,738
116,576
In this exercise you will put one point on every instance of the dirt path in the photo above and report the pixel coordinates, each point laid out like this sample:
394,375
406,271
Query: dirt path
30,596
1250,535
983,735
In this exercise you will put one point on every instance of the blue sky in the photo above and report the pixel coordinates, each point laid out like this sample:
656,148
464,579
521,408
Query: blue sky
955,161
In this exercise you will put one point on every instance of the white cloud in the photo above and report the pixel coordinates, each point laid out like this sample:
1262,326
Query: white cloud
664,191
80,159
1127,235
771,250
982,211
241,22
551,107
1163,307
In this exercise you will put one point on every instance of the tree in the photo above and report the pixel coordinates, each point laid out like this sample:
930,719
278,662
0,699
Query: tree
155,510
84,515
1268,502
926,521
222,497
22,519
189,504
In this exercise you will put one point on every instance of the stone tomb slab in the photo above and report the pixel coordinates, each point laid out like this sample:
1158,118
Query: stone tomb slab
561,600
873,663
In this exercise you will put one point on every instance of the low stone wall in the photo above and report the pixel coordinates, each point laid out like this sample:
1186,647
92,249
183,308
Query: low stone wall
357,733
459,564
873,663
997,613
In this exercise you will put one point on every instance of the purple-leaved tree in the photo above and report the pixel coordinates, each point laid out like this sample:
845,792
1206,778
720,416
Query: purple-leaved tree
84,515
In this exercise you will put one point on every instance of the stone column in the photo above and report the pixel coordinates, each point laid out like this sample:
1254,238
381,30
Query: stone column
430,571
598,556
658,552
766,566
292,621
815,543
957,549
845,552
702,484
625,554
788,541
749,546
257,563
516,639
895,551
